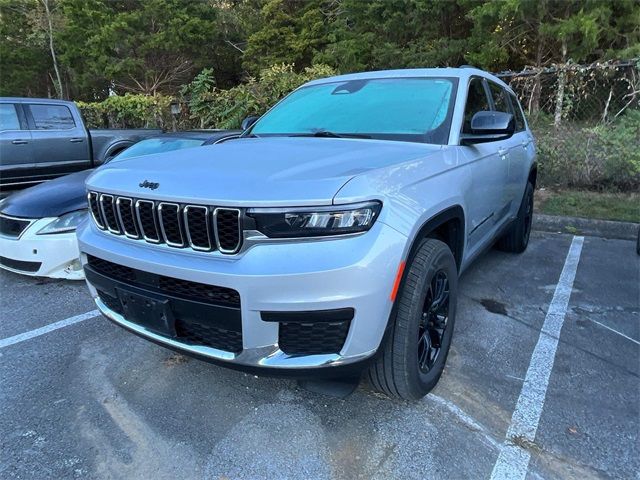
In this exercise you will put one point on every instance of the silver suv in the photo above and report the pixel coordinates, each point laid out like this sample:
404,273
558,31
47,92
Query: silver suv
327,239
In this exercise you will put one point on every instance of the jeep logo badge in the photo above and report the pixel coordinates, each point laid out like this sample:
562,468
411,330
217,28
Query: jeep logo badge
148,184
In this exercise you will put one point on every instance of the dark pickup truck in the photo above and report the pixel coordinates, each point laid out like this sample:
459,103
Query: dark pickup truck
42,139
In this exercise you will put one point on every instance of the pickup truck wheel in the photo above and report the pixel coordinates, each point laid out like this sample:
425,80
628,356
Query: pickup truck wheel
517,238
414,353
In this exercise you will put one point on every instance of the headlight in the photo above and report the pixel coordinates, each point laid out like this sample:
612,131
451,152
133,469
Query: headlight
66,223
315,221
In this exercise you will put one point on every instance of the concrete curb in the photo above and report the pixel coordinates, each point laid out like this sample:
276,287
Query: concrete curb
585,226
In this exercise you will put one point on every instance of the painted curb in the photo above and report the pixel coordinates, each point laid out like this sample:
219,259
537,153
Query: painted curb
586,226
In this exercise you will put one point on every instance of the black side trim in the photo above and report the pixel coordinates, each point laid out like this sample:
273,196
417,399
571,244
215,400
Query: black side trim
310,316
480,224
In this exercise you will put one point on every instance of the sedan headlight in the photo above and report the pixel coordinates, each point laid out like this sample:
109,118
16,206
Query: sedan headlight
65,223
315,221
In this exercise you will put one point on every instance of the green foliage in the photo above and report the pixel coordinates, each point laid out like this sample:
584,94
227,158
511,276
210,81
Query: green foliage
606,206
514,33
155,46
621,150
24,62
219,108
128,111
603,157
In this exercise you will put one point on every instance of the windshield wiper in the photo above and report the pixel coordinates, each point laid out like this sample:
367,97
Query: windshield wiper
328,134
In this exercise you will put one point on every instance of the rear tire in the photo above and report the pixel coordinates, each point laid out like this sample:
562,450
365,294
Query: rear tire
415,350
517,238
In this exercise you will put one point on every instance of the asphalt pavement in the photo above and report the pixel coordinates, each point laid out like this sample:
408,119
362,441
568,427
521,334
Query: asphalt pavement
82,398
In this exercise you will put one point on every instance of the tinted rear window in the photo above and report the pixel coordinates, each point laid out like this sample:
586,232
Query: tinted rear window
52,117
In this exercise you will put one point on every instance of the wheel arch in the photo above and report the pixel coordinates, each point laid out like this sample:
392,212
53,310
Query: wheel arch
447,226
533,175
116,148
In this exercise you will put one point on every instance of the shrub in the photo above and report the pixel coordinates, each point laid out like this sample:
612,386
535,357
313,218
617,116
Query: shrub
128,111
602,157
211,107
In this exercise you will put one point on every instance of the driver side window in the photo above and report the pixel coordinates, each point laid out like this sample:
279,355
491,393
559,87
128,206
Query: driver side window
477,101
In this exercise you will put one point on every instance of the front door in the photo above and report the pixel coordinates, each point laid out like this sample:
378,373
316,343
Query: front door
16,156
488,166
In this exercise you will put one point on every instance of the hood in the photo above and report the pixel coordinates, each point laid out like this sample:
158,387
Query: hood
274,171
49,199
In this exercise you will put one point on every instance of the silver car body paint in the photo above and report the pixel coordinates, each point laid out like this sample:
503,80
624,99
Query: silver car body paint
414,182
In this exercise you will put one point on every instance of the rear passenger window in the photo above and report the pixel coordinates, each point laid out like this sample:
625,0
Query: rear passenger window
520,123
52,117
477,101
500,98
9,117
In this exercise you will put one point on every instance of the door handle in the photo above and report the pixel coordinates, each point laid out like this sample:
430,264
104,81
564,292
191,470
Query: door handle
19,142
76,140
525,143
503,153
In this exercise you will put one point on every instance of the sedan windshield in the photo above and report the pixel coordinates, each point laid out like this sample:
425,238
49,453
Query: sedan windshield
405,109
158,145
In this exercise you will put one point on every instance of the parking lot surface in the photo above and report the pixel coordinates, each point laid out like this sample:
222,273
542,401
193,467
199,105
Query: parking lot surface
89,400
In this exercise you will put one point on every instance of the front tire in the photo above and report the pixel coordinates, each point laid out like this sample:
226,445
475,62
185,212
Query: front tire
517,238
415,351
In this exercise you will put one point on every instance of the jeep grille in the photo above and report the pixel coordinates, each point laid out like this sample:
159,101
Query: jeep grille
199,227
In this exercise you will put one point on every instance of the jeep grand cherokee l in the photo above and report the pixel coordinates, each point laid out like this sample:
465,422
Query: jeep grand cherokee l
329,237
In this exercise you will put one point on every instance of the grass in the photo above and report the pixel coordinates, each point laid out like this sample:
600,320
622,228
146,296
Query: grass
577,203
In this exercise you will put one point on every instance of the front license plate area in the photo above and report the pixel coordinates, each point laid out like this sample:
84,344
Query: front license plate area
148,311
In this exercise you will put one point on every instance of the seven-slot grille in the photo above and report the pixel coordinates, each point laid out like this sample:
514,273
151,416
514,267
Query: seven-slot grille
198,227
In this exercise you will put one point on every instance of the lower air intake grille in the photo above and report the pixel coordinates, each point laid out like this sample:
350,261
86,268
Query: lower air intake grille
186,289
20,265
112,270
313,338
209,336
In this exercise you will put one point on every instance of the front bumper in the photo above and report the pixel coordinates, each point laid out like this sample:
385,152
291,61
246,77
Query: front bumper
355,272
53,256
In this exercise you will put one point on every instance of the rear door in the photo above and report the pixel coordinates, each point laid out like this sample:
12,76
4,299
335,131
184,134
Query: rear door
522,157
16,156
60,142
488,171
513,191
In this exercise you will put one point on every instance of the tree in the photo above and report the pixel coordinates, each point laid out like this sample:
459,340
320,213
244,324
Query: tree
353,35
149,46
289,32
28,65
48,27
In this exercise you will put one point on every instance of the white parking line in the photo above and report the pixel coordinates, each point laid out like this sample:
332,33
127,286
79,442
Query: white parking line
513,460
5,342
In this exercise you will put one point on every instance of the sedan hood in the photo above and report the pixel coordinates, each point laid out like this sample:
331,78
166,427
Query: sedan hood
49,199
275,171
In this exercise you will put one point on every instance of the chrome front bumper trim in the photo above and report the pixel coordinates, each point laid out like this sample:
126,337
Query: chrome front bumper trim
269,356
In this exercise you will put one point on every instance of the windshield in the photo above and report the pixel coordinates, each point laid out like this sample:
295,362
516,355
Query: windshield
158,145
407,109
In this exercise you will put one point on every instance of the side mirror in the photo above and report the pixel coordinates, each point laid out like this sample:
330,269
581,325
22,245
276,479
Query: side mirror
247,122
489,127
